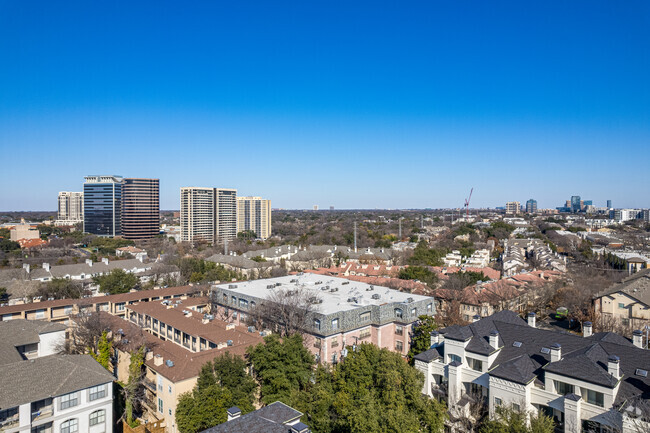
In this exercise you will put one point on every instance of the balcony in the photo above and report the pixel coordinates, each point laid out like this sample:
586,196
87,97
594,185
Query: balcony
9,422
149,384
43,412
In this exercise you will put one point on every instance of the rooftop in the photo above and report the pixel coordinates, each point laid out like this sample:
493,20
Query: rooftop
274,418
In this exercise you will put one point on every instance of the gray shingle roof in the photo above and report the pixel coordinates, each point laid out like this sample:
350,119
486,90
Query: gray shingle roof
269,419
49,376
14,333
238,261
636,285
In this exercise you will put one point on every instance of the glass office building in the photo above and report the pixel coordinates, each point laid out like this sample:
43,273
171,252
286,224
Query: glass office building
103,205
141,208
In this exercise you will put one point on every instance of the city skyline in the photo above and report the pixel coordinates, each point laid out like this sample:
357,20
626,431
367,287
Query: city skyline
353,106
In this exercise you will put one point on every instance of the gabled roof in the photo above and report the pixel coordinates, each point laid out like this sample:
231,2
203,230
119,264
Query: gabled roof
274,418
519,370
588,363
636,285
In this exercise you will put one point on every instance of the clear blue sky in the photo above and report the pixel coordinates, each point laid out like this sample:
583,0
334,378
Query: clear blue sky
350,104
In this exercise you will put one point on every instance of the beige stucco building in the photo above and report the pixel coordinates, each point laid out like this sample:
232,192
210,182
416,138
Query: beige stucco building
627,301
254,213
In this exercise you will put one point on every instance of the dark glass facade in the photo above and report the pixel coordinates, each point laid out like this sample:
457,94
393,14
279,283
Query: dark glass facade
103,205
141,208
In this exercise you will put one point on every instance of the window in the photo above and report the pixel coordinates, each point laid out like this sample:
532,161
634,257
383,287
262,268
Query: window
43,428
243,303
593,397
545,350
170,412
335,342
399,346
621,305
641,372
365,333
317,343
563,388
398,313
97,392
335,324
70,426
120,306
67,310
160,383
98,417
160,405
234,300
475,364
516,407
365,316
399,330
40,314
317,324
169,388
414,311
498,401
69,400
454,358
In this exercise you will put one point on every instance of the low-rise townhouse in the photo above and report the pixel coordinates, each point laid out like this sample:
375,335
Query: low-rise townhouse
627,302
274,418
585,383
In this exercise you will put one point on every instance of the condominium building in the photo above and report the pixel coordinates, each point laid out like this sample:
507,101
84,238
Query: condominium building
45,392
254,214
71,208
590,383
103,205
140,208
513,207
344,312
208,214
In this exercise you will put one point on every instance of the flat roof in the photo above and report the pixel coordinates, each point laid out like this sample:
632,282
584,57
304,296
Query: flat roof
337,294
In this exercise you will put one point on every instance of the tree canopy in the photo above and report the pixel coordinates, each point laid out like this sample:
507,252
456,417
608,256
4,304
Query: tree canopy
425,256
418,273
513,421
421,338
116,281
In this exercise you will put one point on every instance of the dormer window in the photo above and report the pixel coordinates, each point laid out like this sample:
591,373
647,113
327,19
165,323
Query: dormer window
398,313
641,372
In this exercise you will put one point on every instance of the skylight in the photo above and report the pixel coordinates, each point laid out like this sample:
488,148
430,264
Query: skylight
545,350
640,372
517,343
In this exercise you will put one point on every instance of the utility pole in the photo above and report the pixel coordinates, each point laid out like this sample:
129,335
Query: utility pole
225,247
400,228
422,221
355,236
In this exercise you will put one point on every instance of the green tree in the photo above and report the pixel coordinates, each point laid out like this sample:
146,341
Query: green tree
105,245
508,420
133,387
282,367
371,389
247,235
418,273
425,256
421,338
103,352
116,281
221,384
61,288
7,246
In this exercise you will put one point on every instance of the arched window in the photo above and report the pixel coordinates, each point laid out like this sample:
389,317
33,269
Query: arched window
317,324
398,312
98,417
70,426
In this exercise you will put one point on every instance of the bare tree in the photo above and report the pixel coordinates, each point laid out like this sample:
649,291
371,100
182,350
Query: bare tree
286,310
86,330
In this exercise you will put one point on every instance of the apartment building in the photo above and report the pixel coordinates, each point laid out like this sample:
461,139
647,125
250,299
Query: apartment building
140,208
627,302
274,418
513,207
208,214
181,338
103,205
70,208
344,312
585,383
36,396
61,310
254,214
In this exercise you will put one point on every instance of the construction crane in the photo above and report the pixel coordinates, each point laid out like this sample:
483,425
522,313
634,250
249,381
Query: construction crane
467,202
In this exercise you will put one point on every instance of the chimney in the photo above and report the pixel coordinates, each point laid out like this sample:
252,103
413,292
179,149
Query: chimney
89,262
587,329
105,260
494,339
613,363
532,319
299,428
556,352
26,267
233,413
476,318
157,360
637,339
435,338
46,266
140,258
149,355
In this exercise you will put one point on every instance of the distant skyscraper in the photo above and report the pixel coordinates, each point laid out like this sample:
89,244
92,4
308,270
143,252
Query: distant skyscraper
141,208
609,204
209,214
71,207
315,207
575,203
513,207
103,205
254,213
531,206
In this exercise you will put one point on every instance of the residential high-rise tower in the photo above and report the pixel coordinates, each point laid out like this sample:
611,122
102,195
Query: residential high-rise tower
140,208
70,207
103,205
513,207
254,214
209,214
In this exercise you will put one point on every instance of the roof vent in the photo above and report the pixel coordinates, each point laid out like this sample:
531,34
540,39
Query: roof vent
375,296
251,329
299,428
641,372
345,282
169,363
229,342
233,413
232,286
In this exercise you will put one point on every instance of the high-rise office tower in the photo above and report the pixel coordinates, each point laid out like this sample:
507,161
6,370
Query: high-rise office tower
254,213
513,207
103,205
575,203
140,208
209,214
531,206
609,204
71,207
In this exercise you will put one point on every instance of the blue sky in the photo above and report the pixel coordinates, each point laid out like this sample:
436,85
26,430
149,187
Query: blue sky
349,104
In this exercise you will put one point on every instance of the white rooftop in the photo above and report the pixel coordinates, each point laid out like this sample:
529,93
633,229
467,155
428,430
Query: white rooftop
337,294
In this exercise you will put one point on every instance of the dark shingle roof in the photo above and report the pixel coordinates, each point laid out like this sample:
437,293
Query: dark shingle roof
49,376
19,332
269,419
519,370
430,355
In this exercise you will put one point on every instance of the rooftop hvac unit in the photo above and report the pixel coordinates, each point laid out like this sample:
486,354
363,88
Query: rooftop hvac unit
294,280
270,286
278,284
232,286
409,300
251,329
229,342
334,289
345,282
375,296
318,282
